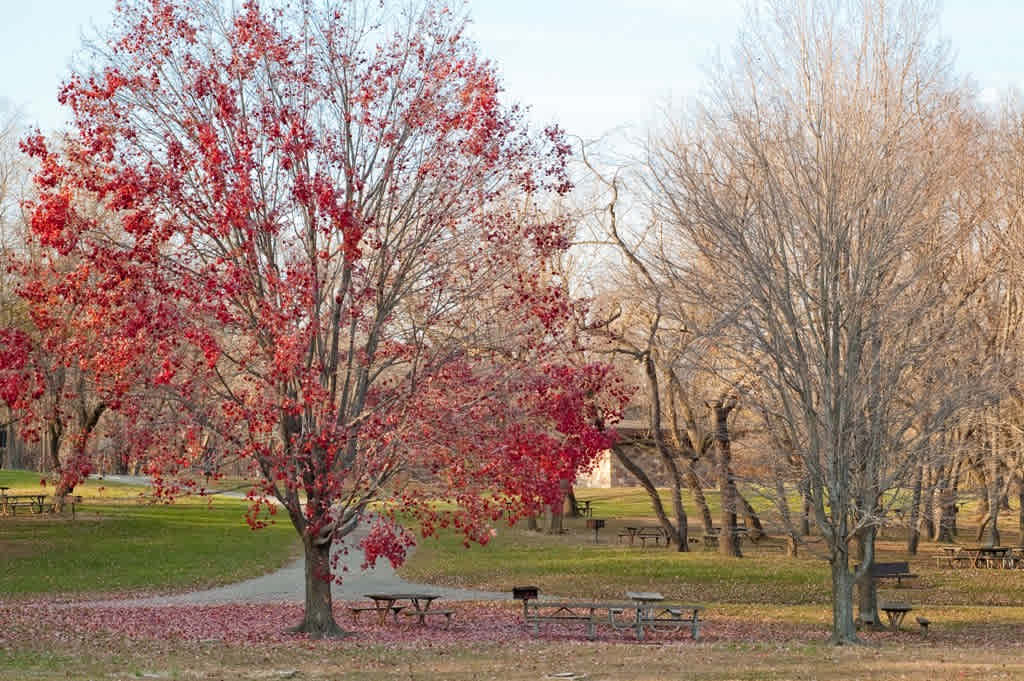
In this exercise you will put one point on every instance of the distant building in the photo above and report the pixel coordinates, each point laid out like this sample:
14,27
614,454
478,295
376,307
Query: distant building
636,438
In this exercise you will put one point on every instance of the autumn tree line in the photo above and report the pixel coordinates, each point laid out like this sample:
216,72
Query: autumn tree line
315,245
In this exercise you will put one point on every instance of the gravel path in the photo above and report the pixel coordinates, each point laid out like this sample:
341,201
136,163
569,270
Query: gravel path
288,583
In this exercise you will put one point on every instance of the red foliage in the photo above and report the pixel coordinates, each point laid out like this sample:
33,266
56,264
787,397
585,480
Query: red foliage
307,235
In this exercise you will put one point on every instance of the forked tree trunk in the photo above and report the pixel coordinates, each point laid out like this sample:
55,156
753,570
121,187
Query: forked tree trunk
318,620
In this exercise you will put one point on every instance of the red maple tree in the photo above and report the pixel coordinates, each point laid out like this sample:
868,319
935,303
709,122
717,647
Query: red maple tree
319,237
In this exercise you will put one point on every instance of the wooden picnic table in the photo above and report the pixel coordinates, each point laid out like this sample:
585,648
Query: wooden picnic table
644,610
9,503
951,555
643,533
420,602
583,508
994,556
654,613
895,612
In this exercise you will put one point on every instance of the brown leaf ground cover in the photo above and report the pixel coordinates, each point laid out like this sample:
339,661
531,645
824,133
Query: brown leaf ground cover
74,640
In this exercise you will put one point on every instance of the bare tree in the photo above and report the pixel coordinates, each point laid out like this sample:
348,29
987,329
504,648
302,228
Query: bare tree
813,187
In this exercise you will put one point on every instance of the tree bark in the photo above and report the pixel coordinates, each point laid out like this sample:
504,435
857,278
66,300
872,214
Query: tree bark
318,620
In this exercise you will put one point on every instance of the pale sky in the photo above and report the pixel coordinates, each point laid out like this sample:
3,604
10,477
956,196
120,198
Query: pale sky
590,65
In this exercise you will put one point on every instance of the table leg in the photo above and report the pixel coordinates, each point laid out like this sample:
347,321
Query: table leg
382,611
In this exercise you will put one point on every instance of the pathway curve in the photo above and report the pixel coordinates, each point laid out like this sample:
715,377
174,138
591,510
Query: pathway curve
288,583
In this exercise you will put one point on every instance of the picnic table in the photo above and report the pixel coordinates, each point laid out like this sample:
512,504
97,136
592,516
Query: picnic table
655,614
993,556
582,508
420,602
644,610
895,612
643,533
9,503
712,536
950,556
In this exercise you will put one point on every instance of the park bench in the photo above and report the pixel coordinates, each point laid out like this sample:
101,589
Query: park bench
355,610
423,614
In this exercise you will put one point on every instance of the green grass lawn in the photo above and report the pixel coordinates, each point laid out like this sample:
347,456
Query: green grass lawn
572,565
120,542
117,544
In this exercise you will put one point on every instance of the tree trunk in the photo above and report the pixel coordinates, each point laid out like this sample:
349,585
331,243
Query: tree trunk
531,523
681,531
805,515
556,524
318,620
913,532
844,630
1020,512
693,482
569,506
867,588
947,517
754,527
728,542
928,503
782,501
